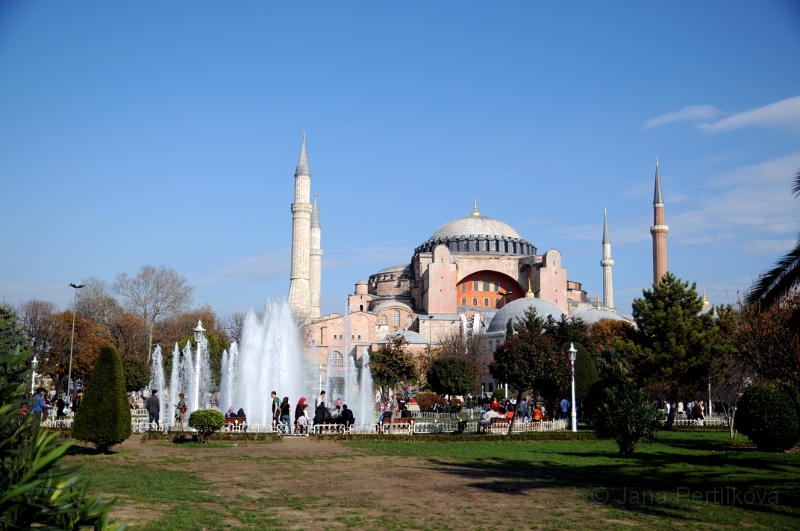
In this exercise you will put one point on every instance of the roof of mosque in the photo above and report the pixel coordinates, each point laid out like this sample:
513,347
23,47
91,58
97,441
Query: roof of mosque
475,226
590,314
395,269
411,337
516,309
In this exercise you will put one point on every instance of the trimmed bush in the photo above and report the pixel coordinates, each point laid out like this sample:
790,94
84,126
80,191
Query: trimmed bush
585,372
426,400
104,418
596,395
770,417
206,422
626,417
137,374
451,376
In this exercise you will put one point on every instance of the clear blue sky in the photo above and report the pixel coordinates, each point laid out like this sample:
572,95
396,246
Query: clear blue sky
136,133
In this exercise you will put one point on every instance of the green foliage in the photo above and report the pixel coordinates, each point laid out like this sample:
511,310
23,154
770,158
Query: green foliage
531,361
626,417
531,322
676,342
427,400
567,330
206,422
104,418
137,374
451,376
770,417
392,366
596,395
585,371
216,345
35,491
11,335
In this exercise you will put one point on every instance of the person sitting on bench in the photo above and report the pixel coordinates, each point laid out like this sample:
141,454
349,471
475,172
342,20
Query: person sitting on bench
347,416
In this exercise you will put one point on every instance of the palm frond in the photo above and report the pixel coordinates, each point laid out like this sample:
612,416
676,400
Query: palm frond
779,280
796,187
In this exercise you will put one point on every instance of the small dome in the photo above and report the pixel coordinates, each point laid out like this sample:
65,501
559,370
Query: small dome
516,309
591,315
475,226
361,282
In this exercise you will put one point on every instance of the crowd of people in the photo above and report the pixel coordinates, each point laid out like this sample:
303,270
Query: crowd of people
44,404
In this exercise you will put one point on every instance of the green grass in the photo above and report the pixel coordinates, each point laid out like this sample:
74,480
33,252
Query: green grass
658,482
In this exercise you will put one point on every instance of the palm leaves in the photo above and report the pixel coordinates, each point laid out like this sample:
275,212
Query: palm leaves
778,281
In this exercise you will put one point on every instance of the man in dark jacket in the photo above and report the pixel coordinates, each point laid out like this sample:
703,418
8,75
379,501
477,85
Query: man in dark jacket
347,416
153,407
321,415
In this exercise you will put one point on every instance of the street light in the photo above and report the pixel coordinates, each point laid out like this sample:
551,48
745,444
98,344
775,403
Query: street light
573,355
72,342
34,362
430,339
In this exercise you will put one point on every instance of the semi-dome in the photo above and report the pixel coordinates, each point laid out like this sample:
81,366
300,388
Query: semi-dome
473,226
591,315
516,309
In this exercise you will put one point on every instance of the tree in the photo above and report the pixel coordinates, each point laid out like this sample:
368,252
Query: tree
216,344
95,302
568,330
531,361
154,293
530,322
472,348
585,371
38,319
206,422
35,491
89,339
137,374
676,342
129,331
606,333
11,335
451,376
625,416
770,417
233,325
392,367
104,418
781,279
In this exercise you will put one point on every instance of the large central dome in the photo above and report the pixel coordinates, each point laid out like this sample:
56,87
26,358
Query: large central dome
472,226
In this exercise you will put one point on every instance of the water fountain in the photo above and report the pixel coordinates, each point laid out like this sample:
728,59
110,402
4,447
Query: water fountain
157,382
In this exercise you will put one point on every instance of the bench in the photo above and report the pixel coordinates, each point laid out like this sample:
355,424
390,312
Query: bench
401,425
332,425
235,423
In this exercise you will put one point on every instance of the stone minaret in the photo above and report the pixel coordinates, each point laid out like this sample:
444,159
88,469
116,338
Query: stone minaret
299,287
607,263
316,260
659,231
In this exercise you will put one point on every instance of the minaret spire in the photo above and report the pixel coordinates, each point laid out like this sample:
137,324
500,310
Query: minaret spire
607,263
659,231
316,262
299,286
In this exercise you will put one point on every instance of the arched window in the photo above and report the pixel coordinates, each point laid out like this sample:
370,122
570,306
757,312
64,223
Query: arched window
360,307
395,317
474,301
497,303
338,359
486,286
409,321
384,320
497,285
463,287
486,301
463,301
476,285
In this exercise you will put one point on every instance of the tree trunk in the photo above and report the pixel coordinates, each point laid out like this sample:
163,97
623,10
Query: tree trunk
393,410
516,410
149,341
673,399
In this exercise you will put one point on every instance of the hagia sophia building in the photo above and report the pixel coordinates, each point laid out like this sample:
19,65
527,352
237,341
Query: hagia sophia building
473,274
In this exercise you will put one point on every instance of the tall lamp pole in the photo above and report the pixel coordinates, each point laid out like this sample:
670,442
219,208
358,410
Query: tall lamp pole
430,339
573,355
34,362
72,342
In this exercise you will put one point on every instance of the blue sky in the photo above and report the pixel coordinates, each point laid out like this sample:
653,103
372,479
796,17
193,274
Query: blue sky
167,133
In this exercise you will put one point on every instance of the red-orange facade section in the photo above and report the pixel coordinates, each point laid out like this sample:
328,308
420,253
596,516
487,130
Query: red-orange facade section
487,289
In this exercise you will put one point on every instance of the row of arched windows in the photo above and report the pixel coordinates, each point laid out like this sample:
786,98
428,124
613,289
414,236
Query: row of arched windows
396,319
497,302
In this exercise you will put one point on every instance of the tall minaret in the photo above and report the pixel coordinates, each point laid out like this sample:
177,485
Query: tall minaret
316,260
659,231
607,263
299,288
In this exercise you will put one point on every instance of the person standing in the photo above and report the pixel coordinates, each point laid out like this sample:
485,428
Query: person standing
181,408
60,404
298,409
679,410
320,399
276,408
286,418
522,411
153,407
76,404
666,408
564,408
39,406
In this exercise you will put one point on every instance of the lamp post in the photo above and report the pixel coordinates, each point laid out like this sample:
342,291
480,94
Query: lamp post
573,355
198,339
72,342
34,362
430,339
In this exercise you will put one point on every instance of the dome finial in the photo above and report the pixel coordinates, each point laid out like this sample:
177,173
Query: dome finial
529,294
705,301
475,207
597,306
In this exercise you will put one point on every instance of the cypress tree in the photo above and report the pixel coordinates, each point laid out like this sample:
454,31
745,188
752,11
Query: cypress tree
104,418
585,372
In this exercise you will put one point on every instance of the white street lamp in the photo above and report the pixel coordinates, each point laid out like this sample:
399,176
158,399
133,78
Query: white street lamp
34,362
573,355
72,342
199,336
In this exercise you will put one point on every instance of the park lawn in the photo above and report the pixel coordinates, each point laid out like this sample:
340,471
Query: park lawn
683,479
427,485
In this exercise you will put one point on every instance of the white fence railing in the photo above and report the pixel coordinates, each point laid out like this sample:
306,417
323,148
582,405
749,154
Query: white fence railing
714,422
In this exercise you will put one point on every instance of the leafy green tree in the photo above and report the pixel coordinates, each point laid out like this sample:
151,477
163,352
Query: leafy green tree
104,418
451,376
568,330
585,371
35,491
206,422
137,374
625,416
217,343
770,417
676,342
529,322
531,361
392,367
778,282
11,334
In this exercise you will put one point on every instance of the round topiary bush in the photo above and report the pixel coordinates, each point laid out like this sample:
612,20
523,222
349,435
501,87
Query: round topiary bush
770,416
206,422
426,400
104,418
